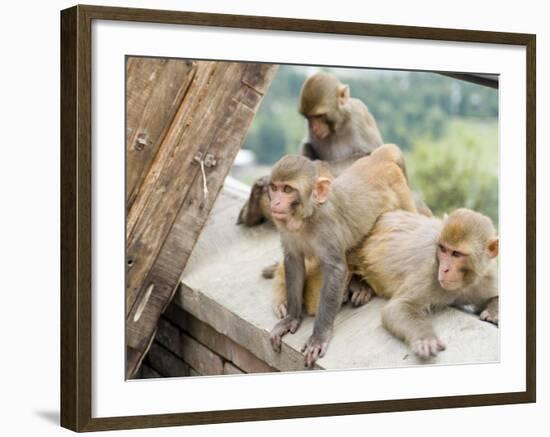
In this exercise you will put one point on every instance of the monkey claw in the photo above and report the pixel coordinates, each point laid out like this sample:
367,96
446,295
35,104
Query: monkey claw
222,286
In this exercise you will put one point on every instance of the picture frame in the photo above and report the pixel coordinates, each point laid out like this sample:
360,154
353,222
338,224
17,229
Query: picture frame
77,161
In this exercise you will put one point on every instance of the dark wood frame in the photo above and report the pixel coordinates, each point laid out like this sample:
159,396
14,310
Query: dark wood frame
76,218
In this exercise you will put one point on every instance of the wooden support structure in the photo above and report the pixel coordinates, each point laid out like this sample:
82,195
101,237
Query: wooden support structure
186,120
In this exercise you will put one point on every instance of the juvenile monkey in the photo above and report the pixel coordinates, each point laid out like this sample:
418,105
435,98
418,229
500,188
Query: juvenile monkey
339,127
420,264
321,218
340,130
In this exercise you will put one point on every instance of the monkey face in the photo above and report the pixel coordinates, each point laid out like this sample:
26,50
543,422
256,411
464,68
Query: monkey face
284,202
453,266
283,197
319,126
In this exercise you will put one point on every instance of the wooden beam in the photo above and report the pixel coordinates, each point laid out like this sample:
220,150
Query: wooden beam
171,206
488,80
155,89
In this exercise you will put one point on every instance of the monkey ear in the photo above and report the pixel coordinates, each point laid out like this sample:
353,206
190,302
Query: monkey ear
492,248
343,94
321,190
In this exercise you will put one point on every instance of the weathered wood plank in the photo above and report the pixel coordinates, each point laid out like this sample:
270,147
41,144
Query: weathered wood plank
146,372
168,335
166,362
171,207
146,229
176,316
200,358
230,369
225,347
154,91
211,118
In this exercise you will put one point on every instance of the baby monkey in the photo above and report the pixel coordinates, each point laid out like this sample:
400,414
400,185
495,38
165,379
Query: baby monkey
323,218
419,264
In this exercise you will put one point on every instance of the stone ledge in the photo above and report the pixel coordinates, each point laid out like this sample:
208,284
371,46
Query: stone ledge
222,287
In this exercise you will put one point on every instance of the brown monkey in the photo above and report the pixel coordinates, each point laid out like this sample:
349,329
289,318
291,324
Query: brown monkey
420,264
340,130
324,218
339,127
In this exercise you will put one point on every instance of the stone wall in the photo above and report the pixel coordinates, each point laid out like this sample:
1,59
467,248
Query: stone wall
185,346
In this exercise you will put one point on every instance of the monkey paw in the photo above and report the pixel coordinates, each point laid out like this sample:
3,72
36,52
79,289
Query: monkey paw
361,293
280,309
315,348
251,213
258,188
489,316
427,347
288,324
358,292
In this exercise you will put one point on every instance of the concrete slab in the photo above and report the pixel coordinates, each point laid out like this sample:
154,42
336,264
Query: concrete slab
222,286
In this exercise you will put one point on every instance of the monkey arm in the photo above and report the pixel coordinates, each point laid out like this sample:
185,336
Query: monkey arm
406,320
334,273
256,209
483,296
409,321
490,313
294,278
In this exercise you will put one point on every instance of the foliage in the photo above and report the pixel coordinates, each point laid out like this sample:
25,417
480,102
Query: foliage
411,105
406,105
460,169
278,128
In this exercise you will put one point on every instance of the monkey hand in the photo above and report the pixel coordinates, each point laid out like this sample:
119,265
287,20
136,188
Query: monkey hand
427,347
258,188
489,316
315,348
280,309
288,324
359,292
251,213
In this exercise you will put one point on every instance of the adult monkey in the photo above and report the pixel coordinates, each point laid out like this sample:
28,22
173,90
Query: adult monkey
340,130
321,218
419,264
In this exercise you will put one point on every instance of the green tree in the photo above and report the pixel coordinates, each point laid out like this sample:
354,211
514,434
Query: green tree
460,170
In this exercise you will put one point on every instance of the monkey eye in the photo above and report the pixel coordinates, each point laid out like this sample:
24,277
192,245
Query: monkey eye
287,189
322,118
272,187
442,248
457,254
